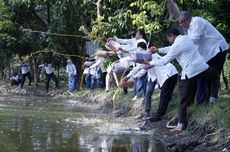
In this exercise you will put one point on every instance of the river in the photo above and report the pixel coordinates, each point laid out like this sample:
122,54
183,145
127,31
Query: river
44,125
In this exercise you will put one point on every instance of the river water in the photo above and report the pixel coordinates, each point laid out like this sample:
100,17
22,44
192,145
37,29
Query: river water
43,126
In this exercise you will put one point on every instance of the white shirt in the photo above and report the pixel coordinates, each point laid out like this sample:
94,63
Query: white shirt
129,44
161,73
49,69
24,69
99,63
185,52
206,38
15,78
71,69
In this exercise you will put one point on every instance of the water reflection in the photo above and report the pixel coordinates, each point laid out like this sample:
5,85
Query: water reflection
28,128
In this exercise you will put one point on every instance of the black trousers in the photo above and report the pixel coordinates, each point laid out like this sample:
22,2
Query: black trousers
187,90
28,75
165,95
203,91
48,78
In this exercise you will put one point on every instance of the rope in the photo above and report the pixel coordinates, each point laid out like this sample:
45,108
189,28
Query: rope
55,53
54,34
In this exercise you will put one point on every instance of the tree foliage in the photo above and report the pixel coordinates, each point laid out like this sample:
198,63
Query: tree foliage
94,20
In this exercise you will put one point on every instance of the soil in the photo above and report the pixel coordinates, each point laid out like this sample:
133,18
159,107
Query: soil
196,138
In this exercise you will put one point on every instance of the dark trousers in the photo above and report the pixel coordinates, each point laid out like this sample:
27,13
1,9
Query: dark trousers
14,82
48,78
103,75
165,95
203,91
187,90
28,75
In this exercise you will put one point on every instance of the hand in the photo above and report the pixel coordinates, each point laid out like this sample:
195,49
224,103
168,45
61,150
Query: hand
123,82
120,49
153,49
145,62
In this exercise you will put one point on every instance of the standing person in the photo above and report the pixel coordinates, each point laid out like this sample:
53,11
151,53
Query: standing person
127,46
140,82
25,73
72,75
166,77
15,80
210,43
96,71
49,74
193,67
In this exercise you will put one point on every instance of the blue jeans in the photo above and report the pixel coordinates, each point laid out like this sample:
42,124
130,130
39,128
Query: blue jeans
140,85
72,83
98,82
88,81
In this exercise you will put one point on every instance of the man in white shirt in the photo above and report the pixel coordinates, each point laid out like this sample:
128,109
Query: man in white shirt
96,71
72,75
210,43
25,73
166,77
49,74
193,67
140,81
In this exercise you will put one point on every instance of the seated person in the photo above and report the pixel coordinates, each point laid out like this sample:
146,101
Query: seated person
15,80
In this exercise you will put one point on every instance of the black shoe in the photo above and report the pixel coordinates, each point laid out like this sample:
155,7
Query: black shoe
155,118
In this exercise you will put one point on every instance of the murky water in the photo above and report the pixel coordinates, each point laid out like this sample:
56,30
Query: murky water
40,126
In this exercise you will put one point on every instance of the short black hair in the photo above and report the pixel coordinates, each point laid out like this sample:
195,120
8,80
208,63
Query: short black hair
173,31
143,45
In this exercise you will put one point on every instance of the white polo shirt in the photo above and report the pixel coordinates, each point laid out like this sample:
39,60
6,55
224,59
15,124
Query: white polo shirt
24,69
206,38
162,73
185,52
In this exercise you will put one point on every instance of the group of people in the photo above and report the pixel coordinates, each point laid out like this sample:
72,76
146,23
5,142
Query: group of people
71,73
201,54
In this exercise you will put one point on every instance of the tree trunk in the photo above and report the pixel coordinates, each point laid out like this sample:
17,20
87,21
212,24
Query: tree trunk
173,9
98,8
1,72
35,68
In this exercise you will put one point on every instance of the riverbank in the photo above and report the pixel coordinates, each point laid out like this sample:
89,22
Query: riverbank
208,128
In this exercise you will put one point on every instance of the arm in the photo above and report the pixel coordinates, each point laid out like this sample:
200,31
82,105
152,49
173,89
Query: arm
98,62
164,50
196,30
124,41
140,73
172,54
134,71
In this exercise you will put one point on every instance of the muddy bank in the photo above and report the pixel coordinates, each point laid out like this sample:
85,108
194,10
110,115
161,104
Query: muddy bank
199,135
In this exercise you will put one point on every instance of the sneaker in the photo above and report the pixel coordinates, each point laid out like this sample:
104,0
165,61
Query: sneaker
179,130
